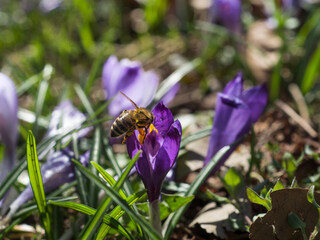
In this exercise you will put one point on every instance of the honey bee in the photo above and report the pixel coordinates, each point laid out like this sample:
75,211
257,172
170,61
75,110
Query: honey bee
129,120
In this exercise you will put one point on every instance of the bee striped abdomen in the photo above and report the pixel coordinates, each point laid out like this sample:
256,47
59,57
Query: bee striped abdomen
122,124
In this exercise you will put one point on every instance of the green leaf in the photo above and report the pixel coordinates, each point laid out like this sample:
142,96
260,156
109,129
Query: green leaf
108,220
255,198
169,204
118,200
310,24
279,185
217,198
95,154
296,223
155,11
36,183
311,198
275,81
118,212
174,202
82,187
232,180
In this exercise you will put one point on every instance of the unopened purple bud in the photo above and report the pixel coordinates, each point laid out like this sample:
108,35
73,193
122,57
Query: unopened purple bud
228,13
236,111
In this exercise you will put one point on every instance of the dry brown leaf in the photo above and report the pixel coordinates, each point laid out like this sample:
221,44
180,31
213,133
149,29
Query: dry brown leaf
215,219
285,201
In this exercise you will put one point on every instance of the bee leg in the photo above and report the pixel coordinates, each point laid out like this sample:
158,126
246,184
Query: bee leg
126,136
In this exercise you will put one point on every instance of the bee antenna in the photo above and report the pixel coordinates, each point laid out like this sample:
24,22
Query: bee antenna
129,100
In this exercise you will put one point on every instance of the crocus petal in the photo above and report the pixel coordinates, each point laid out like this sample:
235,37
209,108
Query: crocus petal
151,146
129,77
8,111
8,123
223,113
256,98
235,87
57,171
159,151
228,13
170,94
133,144
49,5
163,118
117,75
65,117
231,100
234,116
238,124
169,151
135,90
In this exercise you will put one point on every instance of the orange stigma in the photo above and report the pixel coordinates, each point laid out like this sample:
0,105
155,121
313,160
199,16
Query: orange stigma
143,134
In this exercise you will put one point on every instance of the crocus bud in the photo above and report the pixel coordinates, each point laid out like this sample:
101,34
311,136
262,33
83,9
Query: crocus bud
58,170
159,150
228,13
8,123
130,78
236,111
65,117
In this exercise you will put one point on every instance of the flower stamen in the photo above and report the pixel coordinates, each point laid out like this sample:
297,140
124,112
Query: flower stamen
142,133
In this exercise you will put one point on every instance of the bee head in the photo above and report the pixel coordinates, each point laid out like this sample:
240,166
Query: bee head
144,117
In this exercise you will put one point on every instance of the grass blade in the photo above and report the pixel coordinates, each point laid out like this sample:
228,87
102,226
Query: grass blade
82,187
118,212
152,233
95,221
195,136
108,152
36,183
84,100
107,177
174,78
311,72
42,92
95,155
108,220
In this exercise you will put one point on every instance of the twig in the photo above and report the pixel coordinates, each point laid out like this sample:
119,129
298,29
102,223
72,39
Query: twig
299,99
297,118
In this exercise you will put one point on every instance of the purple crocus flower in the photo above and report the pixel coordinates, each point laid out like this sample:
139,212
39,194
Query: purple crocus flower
236,111
129,77
58,170
159,150
65,117
8,123
228,13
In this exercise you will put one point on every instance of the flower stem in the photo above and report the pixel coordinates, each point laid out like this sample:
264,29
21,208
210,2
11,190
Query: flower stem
154,214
